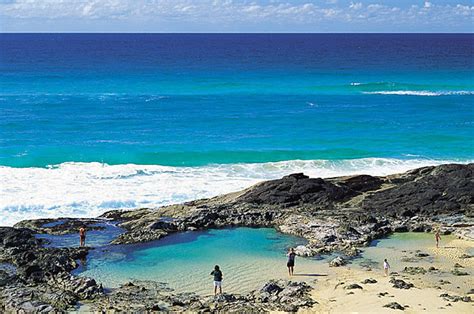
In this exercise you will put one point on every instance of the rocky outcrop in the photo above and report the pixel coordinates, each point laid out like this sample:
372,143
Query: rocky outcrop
41,281
148,296
427,191
335,214
401,284
394,306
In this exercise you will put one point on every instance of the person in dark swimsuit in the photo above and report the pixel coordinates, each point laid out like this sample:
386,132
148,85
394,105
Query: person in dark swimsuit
291,261
82,236
217,273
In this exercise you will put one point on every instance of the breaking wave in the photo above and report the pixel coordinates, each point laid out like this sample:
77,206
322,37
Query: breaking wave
90,189
420,93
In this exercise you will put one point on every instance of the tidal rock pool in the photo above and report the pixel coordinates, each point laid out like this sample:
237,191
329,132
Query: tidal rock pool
95,238
248,257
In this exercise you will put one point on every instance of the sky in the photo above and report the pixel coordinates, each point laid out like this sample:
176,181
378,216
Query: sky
233,16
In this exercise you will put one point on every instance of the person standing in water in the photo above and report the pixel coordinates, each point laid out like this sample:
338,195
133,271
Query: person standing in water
217,279
386,267
82,236
291,261
437,238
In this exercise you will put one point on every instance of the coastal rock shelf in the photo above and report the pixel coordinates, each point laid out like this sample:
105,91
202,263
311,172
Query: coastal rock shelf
336,214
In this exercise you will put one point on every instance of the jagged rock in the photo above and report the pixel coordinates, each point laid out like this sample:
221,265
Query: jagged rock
297,188
395,306
455,298
421,254
337,262
436,190
401,284
302,250
369,280
271,287
352,286
336,214
225,297
414,270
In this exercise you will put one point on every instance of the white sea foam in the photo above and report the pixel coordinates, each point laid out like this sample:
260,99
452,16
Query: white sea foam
89,189
420,93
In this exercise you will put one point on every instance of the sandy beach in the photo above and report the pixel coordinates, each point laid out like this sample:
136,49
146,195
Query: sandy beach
333,297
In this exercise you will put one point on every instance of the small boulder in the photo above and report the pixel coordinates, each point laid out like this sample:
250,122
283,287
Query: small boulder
302,250
457,272
395,306
414,270
352,286
337,262
401,284
369,280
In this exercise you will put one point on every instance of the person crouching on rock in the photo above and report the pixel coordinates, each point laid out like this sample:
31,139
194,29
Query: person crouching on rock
82,236
386,267
217,279
291,261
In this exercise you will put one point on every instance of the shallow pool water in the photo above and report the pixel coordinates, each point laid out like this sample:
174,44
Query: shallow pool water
248,257
400,249
95,238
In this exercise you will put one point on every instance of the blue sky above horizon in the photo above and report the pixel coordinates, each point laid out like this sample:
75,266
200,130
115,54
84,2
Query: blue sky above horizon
236,16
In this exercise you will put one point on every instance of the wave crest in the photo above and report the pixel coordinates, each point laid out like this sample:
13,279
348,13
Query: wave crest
420,93
89,189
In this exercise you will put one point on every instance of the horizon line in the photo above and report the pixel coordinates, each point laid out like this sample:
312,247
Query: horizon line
230,33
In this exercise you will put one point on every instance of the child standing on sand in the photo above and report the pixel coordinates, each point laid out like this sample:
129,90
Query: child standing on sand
217,279
386,267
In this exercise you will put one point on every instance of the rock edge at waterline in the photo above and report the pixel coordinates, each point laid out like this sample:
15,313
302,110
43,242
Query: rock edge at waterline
335,214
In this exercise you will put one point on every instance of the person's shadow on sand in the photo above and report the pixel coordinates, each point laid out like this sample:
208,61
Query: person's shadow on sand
310,275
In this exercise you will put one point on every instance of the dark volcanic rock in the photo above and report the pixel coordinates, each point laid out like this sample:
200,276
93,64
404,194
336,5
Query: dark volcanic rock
436,190
146,296
61,225
401,284
20,238
297,189
369,280
362,183
352,286
395,306
42,282
335,214
455,298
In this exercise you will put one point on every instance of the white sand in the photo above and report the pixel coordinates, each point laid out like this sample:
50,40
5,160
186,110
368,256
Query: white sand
332,297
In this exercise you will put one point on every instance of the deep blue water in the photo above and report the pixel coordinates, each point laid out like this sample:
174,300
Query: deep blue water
346,103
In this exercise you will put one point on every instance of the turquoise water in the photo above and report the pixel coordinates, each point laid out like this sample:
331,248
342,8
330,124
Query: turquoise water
248,257
399,245
94,122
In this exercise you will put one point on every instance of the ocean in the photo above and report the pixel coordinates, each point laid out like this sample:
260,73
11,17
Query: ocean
94,122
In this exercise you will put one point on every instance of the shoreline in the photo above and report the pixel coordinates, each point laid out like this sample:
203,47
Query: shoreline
425,296
129,186
330,213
